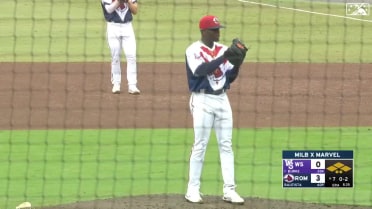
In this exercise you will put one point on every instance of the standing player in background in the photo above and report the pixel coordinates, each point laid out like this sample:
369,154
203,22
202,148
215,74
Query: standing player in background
211,68
120,36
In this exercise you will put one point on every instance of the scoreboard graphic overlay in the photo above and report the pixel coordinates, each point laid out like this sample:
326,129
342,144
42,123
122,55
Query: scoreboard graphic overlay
315,168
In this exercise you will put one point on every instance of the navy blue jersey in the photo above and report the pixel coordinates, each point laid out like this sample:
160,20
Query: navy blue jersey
122,14
222,74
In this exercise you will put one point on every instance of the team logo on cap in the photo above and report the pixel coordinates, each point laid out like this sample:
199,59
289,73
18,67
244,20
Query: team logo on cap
215,20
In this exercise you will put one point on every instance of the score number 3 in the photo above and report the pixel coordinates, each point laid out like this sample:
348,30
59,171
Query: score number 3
318,164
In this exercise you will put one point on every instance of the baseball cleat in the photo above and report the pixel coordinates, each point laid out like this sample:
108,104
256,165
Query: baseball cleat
194,198
233,197
134,90
116,89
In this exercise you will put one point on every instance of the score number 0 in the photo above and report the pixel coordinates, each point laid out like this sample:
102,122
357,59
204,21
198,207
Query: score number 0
318,164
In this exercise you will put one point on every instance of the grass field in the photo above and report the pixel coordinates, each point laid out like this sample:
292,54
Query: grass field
75,31
59,166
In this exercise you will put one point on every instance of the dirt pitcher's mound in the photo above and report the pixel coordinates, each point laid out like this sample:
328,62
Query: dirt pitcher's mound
178,202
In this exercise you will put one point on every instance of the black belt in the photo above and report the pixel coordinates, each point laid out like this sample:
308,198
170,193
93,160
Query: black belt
120,22
217,92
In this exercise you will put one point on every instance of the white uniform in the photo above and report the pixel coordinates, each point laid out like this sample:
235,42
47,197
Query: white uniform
120,36
210,108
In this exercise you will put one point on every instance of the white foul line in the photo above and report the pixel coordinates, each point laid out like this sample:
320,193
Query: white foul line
305,11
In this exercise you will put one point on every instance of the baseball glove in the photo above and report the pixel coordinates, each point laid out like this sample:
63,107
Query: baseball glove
236,52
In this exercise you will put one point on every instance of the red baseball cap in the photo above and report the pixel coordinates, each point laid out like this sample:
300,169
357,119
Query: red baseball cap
209,22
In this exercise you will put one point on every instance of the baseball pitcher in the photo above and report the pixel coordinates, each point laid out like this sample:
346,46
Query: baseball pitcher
211,67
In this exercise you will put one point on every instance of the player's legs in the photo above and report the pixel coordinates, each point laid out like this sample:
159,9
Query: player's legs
202,123
114,43
130,50
223,126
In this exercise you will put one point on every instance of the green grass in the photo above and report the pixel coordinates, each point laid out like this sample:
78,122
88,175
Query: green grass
50,167
75,31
